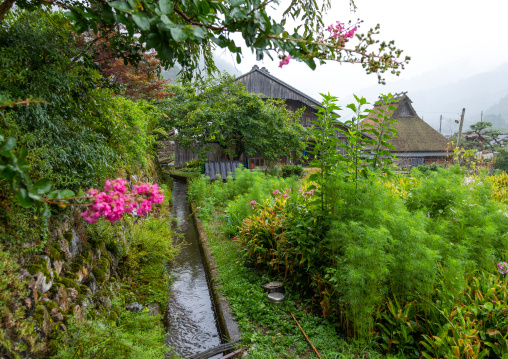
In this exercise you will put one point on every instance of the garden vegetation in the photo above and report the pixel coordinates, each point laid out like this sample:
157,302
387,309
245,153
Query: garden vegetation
412,265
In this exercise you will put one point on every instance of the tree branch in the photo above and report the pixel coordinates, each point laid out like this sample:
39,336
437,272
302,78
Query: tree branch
5,7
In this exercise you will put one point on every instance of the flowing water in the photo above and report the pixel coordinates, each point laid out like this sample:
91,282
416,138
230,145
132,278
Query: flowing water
192,323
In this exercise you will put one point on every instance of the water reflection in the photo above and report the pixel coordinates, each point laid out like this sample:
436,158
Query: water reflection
192,324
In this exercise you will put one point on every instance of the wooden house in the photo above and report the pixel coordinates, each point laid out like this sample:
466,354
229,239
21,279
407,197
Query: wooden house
416,142
260,81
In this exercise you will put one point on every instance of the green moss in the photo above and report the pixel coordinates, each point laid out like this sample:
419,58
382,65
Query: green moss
55,252
39,314
69,283
83,289
99,275
35,268
71,275
50,305
68,235
113,316
76,267
80,298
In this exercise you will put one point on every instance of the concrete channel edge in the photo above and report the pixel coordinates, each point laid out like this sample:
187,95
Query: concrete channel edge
227,322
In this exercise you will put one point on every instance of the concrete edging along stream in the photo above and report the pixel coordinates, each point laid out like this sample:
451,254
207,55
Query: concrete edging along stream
226,320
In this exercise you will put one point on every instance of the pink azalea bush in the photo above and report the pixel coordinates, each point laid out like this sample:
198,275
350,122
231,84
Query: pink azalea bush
117,200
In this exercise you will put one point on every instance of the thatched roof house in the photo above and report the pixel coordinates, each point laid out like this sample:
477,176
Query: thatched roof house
416,142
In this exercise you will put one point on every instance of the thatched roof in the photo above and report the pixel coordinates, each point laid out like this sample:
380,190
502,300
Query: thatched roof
414,134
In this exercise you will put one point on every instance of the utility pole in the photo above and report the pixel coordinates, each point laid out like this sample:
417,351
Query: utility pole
481,117
440,122
460,126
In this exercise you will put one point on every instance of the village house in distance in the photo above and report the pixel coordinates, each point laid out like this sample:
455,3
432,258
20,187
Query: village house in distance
417,142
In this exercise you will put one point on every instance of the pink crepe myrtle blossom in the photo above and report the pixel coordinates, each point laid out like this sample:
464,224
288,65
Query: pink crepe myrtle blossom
284,61
117,200
276,192
253,204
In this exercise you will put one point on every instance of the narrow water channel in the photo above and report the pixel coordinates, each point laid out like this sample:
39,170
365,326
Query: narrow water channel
192,323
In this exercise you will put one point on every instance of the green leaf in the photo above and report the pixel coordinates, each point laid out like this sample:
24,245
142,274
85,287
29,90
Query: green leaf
23,199
166,20
178,34
42,186
205,8
153,39
120,5
198,32
46,213
71,15
66,193
166,6
9,144
141,20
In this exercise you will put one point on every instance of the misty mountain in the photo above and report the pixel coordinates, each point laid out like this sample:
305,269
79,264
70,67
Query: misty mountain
433,96
221,64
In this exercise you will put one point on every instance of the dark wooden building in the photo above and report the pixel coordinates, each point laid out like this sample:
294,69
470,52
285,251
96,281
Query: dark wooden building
416,142
260,81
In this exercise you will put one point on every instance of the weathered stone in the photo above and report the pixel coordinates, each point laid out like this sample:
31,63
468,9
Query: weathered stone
33,290
75,245
134,307
56,315
23,275
113,259
82,274
64,245
154,308
58,266
40,283
46,324
62,299
29,303
105,302
91,283
72,293
77,313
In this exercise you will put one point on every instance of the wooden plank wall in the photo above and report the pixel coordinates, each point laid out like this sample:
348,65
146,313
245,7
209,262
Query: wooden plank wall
183,155
216,169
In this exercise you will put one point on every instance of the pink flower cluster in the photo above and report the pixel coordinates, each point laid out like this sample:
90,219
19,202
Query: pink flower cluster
305,194
340,32
278,193
117,200
253,204
284,61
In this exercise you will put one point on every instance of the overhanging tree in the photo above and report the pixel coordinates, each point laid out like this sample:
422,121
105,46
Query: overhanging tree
221,112
182,31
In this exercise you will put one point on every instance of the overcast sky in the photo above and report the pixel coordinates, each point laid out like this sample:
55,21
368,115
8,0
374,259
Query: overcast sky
462,37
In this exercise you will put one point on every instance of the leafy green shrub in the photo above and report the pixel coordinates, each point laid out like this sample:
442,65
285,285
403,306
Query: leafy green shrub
291,170
134,335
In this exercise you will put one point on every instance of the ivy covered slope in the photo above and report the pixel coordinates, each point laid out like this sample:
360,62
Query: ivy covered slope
64,283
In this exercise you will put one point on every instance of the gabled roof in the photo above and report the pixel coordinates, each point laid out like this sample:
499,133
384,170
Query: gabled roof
261,81
414,134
